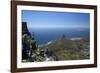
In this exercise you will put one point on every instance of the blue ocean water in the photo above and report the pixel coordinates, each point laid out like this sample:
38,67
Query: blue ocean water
43,36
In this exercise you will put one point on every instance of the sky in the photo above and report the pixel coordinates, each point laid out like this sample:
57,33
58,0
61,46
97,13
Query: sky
50,20
51,25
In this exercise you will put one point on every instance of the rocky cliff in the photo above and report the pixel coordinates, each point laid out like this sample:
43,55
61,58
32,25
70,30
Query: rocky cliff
28,43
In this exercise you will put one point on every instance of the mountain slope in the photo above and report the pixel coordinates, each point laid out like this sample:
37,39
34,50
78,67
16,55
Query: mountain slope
66,49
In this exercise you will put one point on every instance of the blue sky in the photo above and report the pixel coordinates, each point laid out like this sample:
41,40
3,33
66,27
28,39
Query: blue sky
45,19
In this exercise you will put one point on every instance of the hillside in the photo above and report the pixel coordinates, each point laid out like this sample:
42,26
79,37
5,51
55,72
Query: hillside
62,48
66,49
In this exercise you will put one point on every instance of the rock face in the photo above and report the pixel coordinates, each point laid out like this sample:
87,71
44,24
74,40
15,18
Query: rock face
28,43
25,29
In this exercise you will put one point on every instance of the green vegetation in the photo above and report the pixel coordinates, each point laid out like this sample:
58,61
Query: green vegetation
66,49
62,48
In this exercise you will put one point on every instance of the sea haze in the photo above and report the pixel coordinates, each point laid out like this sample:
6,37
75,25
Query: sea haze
43,36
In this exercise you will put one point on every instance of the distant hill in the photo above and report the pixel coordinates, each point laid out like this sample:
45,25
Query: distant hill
67,49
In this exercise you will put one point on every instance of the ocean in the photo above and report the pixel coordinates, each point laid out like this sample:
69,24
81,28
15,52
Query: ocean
43,36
